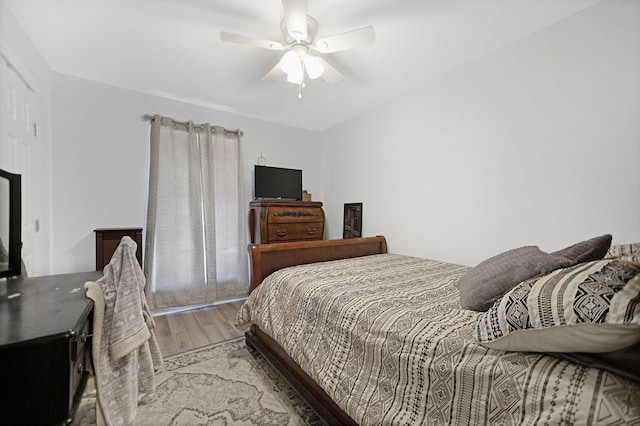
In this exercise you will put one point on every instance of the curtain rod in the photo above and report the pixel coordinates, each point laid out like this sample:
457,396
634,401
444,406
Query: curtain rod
148,117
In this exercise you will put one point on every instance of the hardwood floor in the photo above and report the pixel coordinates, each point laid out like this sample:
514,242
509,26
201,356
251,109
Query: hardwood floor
183,331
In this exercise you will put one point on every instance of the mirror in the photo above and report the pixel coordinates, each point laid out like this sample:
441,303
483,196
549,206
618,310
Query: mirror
10,224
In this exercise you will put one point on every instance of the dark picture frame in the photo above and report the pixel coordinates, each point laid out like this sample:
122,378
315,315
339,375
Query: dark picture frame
352,223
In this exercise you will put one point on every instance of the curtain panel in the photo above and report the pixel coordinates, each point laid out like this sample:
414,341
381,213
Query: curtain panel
196,240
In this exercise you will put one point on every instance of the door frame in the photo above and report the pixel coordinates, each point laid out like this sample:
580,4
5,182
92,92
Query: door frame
10,61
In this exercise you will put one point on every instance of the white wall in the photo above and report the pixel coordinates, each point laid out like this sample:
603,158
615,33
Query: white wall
95,152
538,143
101,159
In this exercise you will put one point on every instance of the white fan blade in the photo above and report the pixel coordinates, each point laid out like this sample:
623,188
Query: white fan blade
329,73
251,41
295,13
274,74
348,40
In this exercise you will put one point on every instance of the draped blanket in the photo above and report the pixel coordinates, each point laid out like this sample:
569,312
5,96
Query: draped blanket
386,339
125,351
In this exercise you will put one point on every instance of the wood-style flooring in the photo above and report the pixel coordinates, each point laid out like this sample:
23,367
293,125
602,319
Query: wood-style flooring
183,331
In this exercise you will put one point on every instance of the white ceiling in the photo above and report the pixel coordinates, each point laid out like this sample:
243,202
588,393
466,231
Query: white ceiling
173,47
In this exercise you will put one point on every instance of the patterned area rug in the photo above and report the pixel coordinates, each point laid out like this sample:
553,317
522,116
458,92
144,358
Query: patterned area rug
223,384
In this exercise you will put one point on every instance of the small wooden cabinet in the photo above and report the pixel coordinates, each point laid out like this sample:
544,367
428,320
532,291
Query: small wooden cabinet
285,221
45,328
107,241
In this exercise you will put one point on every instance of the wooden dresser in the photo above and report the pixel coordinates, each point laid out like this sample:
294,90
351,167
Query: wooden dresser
45,324
107,241
284,221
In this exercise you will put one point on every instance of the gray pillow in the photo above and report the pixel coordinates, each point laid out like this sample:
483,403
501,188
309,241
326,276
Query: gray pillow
623,362
586,251
487,282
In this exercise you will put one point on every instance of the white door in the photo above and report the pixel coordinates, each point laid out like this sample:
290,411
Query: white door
20,153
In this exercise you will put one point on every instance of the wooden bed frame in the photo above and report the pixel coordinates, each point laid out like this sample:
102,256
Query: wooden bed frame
267,258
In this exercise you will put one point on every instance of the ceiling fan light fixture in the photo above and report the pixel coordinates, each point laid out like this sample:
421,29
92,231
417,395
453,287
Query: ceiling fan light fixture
313,67
296,76
299,32
289,62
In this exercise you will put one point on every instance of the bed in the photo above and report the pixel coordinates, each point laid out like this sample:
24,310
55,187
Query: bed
369,337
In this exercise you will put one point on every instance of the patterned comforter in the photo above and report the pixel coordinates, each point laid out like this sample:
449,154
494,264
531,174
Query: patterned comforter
385,337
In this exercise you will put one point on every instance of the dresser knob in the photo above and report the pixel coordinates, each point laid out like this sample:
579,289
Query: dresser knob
282,232
312,231
84,336
80,367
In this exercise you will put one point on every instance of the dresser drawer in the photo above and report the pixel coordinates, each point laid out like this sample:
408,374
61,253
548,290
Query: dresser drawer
299,214
80,352
295,231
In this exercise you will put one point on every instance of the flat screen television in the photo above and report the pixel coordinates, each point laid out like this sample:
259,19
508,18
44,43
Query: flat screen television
277,183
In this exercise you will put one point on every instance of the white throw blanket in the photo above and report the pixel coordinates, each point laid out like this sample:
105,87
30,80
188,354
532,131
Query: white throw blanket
124,348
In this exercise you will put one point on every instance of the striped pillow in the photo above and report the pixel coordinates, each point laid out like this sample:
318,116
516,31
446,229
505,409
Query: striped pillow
590,307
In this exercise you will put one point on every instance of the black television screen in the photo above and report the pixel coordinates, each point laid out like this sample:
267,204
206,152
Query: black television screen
277,183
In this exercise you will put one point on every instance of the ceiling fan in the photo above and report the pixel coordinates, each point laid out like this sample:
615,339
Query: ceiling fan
299,32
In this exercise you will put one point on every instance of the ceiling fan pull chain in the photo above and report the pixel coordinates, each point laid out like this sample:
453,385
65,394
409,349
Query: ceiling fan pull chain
301,85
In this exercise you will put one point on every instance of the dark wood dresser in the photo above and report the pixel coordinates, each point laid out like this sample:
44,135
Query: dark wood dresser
45,324
285,221
108,239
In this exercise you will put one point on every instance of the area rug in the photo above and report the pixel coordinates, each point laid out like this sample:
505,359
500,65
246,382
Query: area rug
223,384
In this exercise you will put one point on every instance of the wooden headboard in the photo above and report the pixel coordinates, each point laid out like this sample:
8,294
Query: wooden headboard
268,258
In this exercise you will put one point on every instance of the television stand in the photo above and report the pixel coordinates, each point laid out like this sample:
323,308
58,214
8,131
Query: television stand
277,221
45,328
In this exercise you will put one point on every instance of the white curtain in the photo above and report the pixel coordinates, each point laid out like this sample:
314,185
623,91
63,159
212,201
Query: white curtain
196,242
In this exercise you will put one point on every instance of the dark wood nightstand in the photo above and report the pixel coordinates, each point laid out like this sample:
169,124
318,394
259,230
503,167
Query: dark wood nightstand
107,240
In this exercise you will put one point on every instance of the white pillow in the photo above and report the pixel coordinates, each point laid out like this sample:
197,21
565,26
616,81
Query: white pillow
590,307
